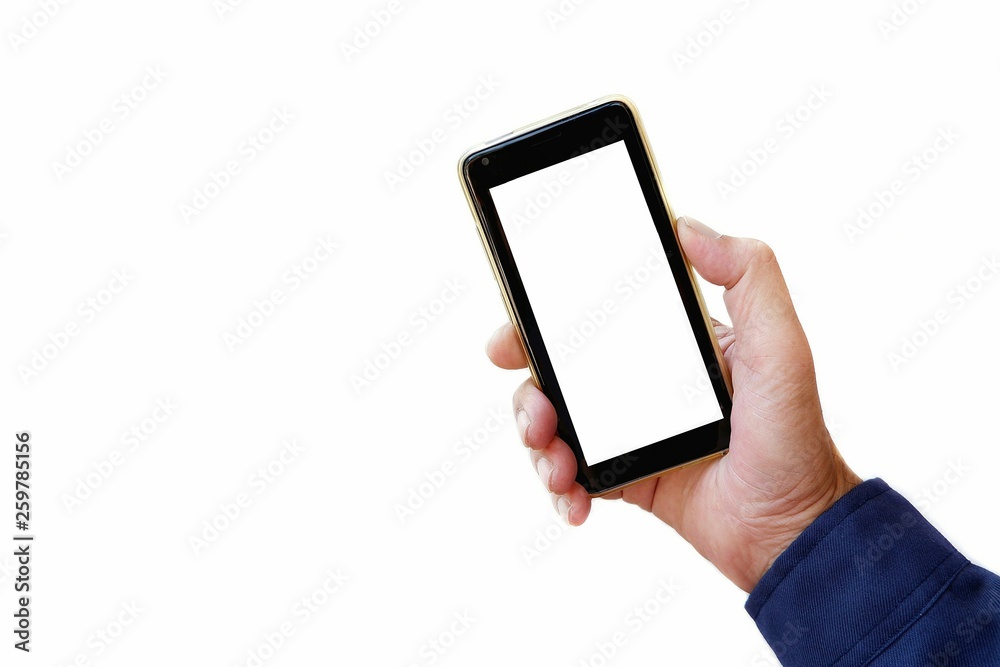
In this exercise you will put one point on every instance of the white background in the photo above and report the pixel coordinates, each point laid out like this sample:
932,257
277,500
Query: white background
334,506
607,306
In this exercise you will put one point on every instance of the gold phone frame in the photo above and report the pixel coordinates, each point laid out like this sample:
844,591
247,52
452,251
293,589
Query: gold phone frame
504,293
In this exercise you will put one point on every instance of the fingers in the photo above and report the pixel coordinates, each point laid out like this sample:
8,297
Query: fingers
551,457
573,506
536,418
556,466
724,333
756,295
504,348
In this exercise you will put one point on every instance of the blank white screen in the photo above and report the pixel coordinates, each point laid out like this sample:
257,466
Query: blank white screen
606,304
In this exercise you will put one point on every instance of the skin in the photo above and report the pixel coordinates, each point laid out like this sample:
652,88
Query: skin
783,470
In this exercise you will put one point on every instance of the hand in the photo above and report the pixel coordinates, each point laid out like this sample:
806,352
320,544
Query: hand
743,510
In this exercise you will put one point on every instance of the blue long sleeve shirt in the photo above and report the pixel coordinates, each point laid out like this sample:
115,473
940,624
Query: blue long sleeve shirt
871,582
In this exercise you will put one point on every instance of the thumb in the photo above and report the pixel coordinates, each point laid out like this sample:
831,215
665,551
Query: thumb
756,295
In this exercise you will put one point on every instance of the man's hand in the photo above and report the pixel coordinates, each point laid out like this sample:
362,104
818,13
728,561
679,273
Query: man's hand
740,511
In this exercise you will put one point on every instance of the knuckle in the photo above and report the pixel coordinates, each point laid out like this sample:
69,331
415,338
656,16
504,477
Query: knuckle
761,252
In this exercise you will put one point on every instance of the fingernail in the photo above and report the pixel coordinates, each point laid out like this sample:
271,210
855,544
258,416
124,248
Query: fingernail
700,227
564,506
523,422
544,470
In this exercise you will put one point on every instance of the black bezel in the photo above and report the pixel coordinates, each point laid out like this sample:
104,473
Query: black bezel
556,142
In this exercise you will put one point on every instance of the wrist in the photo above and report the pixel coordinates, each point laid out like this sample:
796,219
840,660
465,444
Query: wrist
838,483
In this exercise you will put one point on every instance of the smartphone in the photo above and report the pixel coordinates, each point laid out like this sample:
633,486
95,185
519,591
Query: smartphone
583,245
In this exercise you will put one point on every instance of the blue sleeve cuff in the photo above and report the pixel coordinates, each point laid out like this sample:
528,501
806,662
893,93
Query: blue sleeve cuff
853,581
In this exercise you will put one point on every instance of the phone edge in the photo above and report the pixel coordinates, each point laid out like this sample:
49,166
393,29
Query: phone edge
477,217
